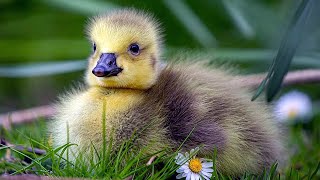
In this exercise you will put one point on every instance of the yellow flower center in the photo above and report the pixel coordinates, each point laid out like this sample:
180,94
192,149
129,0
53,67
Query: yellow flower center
195,165
292,113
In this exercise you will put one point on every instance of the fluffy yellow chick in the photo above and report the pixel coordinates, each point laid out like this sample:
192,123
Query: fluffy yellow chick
162,104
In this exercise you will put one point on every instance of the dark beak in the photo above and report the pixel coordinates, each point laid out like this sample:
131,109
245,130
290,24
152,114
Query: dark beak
106,66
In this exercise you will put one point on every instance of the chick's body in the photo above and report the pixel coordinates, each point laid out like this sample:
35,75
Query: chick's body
163,105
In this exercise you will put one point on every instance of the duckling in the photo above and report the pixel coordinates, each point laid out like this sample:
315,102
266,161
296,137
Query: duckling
169,103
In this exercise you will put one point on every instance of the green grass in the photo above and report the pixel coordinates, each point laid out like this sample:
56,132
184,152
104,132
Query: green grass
304,162
38,31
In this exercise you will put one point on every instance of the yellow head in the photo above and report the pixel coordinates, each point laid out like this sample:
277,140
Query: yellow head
126,50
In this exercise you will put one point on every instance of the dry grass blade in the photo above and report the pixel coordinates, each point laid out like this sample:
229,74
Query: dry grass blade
24,116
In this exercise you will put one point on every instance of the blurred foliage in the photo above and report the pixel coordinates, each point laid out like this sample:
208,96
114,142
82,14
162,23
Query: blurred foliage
243,33
53,30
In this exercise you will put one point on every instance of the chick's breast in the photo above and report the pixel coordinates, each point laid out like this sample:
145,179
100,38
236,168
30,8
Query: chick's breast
79,120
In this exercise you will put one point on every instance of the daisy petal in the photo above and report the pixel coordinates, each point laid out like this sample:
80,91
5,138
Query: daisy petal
205,174
193,177
179,155
207,164
185,166
207,170
180,170
188,176
187,170
197,149
198,177
205,177
180,176
193,152
180,159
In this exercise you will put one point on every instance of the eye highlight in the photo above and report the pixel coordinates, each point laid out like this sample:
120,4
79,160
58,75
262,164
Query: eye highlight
134,49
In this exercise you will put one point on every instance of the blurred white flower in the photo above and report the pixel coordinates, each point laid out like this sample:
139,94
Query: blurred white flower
294,106
193,168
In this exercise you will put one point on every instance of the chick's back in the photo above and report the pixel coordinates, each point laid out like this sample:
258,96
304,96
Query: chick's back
210,108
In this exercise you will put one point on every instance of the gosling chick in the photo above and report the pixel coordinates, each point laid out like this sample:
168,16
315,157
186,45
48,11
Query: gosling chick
166,103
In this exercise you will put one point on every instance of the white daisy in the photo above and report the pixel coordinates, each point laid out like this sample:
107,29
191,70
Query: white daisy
193,168
294,106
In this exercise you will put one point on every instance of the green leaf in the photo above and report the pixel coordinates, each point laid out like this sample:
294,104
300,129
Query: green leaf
289,45
288,48
42,69
263,83
83,6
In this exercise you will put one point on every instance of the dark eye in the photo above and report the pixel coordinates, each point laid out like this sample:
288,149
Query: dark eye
134,49
94,47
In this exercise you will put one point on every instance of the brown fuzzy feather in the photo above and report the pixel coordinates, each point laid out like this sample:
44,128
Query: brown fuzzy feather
189,96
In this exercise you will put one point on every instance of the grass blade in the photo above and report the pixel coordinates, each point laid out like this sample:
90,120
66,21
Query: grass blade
191,22
289,45
315,171
84,6
239,19
104,141
273,171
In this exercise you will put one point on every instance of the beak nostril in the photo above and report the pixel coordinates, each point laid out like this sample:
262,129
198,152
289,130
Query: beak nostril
99,72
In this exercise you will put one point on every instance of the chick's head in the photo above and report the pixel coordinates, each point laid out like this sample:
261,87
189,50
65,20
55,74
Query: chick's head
126,50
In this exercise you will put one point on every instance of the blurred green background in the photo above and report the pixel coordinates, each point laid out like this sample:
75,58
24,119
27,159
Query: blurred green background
241,32
43,49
